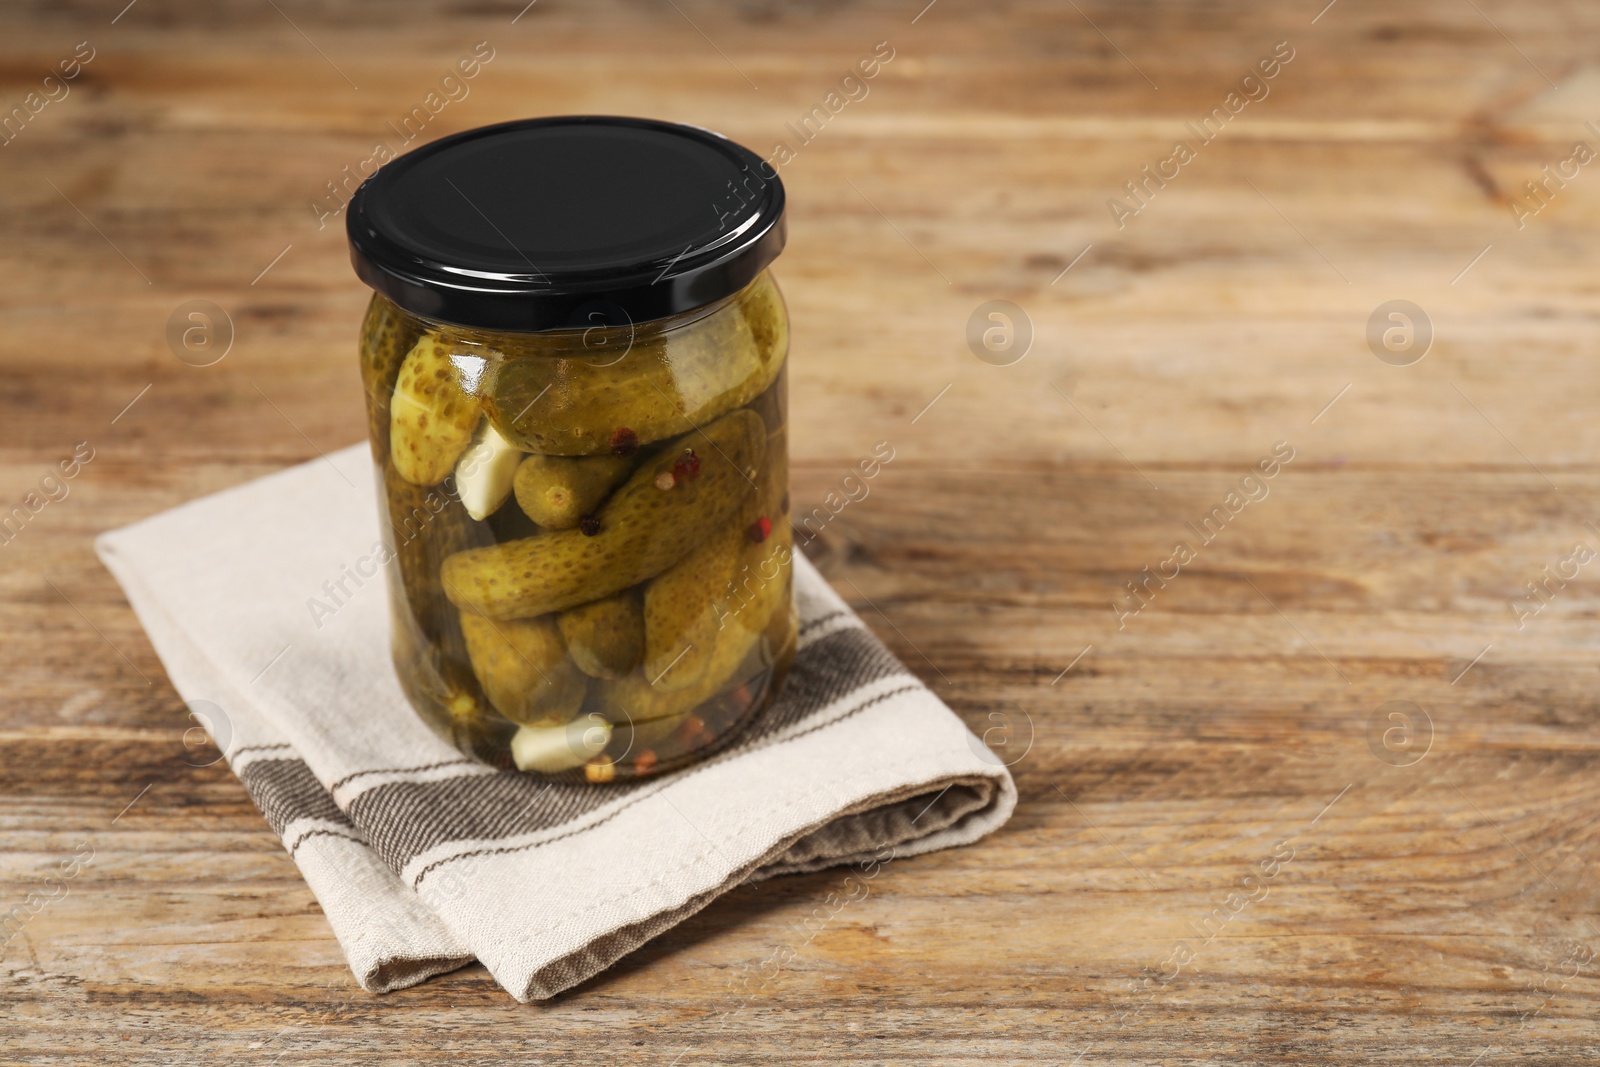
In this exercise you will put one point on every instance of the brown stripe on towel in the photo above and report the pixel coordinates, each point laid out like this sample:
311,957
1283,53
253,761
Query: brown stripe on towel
286,790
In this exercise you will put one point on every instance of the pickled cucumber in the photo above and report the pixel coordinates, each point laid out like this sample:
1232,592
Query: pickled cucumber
605,637
772,496
761,583
557,491
523,667
387,334
426,526
664,384
431,417
430,653
764,310
668,506
772,405
760,591
683,608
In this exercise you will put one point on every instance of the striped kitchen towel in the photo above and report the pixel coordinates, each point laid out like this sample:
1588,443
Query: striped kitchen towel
424,860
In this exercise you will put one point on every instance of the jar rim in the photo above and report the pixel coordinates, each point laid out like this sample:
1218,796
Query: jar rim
567,222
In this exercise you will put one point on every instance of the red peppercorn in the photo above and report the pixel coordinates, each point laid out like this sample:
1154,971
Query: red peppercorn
644,762
760,530
624,442
688,466
590,525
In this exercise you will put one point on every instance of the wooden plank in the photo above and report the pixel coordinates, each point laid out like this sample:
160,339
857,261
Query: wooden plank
1438,912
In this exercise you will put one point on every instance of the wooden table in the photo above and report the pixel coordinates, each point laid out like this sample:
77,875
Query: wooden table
1228,848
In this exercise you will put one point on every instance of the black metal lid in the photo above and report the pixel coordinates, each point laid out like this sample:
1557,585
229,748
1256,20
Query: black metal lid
566,222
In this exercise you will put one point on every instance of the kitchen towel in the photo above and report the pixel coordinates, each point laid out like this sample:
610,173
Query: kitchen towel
267,605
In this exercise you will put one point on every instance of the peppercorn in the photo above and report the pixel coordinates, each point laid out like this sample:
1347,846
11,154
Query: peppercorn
589,524
688,466
624,442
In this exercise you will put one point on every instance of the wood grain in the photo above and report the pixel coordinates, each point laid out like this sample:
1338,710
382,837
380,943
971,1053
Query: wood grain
1441,912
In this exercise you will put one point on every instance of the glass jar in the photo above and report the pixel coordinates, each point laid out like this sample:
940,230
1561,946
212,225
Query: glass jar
574,363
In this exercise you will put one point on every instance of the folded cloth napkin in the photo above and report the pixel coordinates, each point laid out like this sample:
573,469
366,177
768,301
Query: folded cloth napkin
267,606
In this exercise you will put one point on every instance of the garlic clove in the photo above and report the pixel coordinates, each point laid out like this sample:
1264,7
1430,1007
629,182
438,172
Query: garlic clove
486,471
549,749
